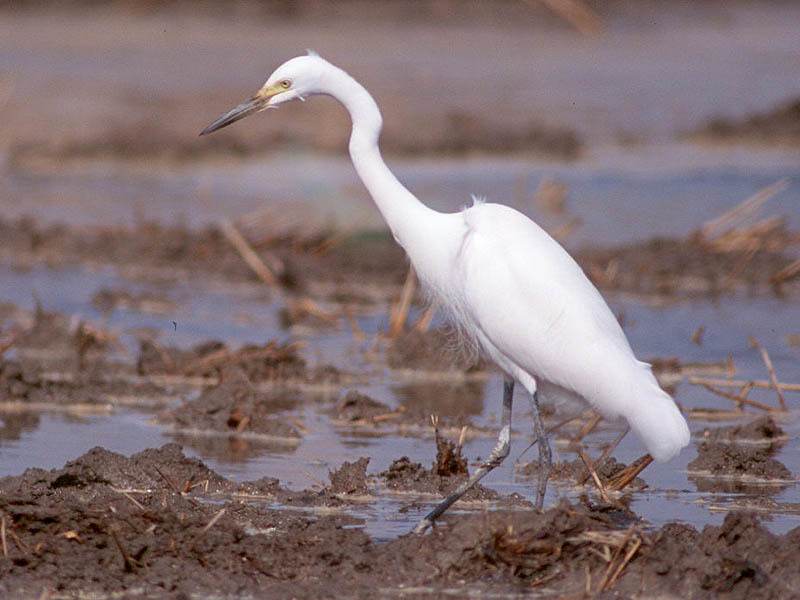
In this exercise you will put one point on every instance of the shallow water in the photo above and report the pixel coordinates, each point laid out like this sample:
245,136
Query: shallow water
204,312
619,195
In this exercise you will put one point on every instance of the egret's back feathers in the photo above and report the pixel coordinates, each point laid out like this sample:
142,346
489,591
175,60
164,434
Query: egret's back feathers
537,315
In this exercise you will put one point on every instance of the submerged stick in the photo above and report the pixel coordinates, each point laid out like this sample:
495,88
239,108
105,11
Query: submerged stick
351,320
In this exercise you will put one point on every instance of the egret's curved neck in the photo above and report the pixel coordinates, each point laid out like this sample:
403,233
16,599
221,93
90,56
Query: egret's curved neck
406,216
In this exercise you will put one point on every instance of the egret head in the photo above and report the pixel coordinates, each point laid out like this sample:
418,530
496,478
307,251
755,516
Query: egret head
296,79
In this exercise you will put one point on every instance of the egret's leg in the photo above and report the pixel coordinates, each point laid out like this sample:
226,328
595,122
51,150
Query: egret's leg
499,452
545,456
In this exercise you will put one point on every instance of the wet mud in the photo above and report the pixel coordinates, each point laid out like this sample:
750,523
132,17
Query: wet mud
574,472
693,267
329,266
739,459
161,525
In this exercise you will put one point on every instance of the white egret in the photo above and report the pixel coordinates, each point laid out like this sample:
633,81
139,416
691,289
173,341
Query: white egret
517,294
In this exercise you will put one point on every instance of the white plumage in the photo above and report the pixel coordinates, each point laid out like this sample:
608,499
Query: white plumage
509,285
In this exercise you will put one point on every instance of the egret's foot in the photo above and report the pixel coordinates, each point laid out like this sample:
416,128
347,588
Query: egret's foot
422,526
545,454
498,454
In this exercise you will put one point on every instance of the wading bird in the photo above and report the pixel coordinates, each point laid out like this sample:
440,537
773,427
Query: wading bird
510,287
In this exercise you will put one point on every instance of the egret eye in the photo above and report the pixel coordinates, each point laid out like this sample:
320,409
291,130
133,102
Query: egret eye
285,84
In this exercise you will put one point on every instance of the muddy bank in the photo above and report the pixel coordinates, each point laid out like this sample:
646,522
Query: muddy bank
780,125
160,525
690,267
363,268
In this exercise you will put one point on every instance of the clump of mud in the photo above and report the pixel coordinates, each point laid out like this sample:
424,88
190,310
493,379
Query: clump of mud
52,360
455,401
233,406
762,430
406,476
108,524
350,478
736,458
449,460
360,408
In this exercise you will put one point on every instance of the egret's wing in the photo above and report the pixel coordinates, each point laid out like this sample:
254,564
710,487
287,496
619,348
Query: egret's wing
533,306
532,301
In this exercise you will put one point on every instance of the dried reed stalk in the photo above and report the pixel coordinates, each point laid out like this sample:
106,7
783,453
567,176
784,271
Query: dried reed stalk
771,371
594,476
736,216
758,383
629,473
248,254
399,313
578,14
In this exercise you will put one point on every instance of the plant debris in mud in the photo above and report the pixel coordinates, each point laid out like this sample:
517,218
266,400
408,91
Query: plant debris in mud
142,526
266,362
328,266
233,406
670,266
406,476
575,472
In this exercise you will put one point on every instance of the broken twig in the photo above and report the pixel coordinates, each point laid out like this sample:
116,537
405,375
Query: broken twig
629,473
593,474
247,253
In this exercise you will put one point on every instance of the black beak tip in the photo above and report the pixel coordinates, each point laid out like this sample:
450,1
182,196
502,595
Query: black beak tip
212,128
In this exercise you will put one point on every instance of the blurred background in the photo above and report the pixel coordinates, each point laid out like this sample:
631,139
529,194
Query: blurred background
102,103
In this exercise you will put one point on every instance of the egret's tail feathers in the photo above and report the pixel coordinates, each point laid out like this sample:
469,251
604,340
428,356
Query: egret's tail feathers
660,426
